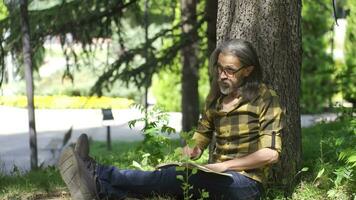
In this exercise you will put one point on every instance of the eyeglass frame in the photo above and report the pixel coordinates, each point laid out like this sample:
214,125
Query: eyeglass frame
221,69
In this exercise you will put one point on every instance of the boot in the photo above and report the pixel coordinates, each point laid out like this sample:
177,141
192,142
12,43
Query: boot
78,170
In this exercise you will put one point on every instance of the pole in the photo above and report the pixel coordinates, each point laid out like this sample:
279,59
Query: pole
108,137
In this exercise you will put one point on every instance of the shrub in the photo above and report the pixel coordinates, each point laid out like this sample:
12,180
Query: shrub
317,83
348,74
67,102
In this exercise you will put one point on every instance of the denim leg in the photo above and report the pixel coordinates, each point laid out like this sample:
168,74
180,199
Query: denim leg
216,185
245,187
136,183
223,187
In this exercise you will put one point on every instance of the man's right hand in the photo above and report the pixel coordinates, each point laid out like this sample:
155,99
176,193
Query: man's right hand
192,153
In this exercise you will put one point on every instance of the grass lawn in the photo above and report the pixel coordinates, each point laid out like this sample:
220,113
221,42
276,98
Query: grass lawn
325,176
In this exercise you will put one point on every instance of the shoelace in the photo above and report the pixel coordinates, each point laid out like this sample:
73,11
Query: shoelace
91,165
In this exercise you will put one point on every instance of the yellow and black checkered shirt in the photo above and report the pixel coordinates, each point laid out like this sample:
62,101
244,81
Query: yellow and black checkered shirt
248,127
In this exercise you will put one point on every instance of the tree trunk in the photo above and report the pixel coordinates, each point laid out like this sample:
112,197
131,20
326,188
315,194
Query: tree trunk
211,11
190,72
29,81
274,29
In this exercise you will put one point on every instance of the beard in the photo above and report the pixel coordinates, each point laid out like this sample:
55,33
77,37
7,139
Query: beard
225,87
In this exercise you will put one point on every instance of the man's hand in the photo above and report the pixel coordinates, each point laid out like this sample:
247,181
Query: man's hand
217,167
193,153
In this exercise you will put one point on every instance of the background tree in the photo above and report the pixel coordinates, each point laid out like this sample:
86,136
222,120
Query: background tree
348,74
211,10
317,65
274,29
190,70
27,57
3,14
170,77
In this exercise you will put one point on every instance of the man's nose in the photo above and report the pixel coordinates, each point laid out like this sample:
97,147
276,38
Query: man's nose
222,75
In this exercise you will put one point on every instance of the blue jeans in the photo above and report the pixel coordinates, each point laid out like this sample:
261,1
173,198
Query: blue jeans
115,183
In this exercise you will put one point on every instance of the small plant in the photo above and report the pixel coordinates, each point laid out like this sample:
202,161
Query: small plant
143,165
204,195
186,187
155,144
155,132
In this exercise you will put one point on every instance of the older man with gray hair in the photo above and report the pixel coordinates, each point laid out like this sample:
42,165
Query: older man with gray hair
247,119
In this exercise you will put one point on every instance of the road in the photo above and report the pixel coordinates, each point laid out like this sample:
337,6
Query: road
51,125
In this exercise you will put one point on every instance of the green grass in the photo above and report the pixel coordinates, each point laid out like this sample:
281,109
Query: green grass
121,155
321,146
37,183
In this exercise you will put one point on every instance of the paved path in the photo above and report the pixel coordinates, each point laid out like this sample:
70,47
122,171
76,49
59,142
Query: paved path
52,124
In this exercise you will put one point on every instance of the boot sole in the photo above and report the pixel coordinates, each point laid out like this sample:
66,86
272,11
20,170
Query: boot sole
69,169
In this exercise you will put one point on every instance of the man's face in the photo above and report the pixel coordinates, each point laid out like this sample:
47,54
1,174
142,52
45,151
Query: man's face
230,73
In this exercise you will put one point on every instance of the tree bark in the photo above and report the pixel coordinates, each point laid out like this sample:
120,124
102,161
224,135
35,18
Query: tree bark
190,72
274,29
27,57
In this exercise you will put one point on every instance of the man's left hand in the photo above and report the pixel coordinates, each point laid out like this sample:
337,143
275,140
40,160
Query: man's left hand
218,167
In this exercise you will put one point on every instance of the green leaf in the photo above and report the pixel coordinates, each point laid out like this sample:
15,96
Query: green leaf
304,169
180,177
132,123
180,168
352,159
137,165
320,173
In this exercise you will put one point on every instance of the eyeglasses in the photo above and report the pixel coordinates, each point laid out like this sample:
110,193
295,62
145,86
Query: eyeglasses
228,70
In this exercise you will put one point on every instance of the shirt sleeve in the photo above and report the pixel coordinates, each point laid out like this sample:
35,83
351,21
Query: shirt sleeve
204,132
271,124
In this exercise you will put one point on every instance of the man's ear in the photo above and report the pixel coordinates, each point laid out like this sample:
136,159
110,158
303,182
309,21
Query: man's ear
247,71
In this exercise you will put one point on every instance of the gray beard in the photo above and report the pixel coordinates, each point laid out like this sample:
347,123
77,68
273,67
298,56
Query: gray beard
225,90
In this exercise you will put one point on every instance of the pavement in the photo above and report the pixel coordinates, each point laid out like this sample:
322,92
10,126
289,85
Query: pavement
52,124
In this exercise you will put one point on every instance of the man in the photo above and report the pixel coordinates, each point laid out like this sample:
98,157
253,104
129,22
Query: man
240,109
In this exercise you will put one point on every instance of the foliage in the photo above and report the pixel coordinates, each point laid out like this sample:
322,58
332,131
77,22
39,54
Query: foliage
67,102
166,87
348,74
333,159
3,11
170,78
326,174
157,148
155,144
50,81
317,65
88,25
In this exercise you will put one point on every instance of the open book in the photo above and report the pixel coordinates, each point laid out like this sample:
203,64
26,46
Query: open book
192,165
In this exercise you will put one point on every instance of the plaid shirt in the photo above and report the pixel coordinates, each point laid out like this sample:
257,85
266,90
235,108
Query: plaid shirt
248,127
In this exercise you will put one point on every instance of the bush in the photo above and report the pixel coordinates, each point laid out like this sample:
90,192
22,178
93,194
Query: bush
348,74
166,87
317,83
329,153
67,102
